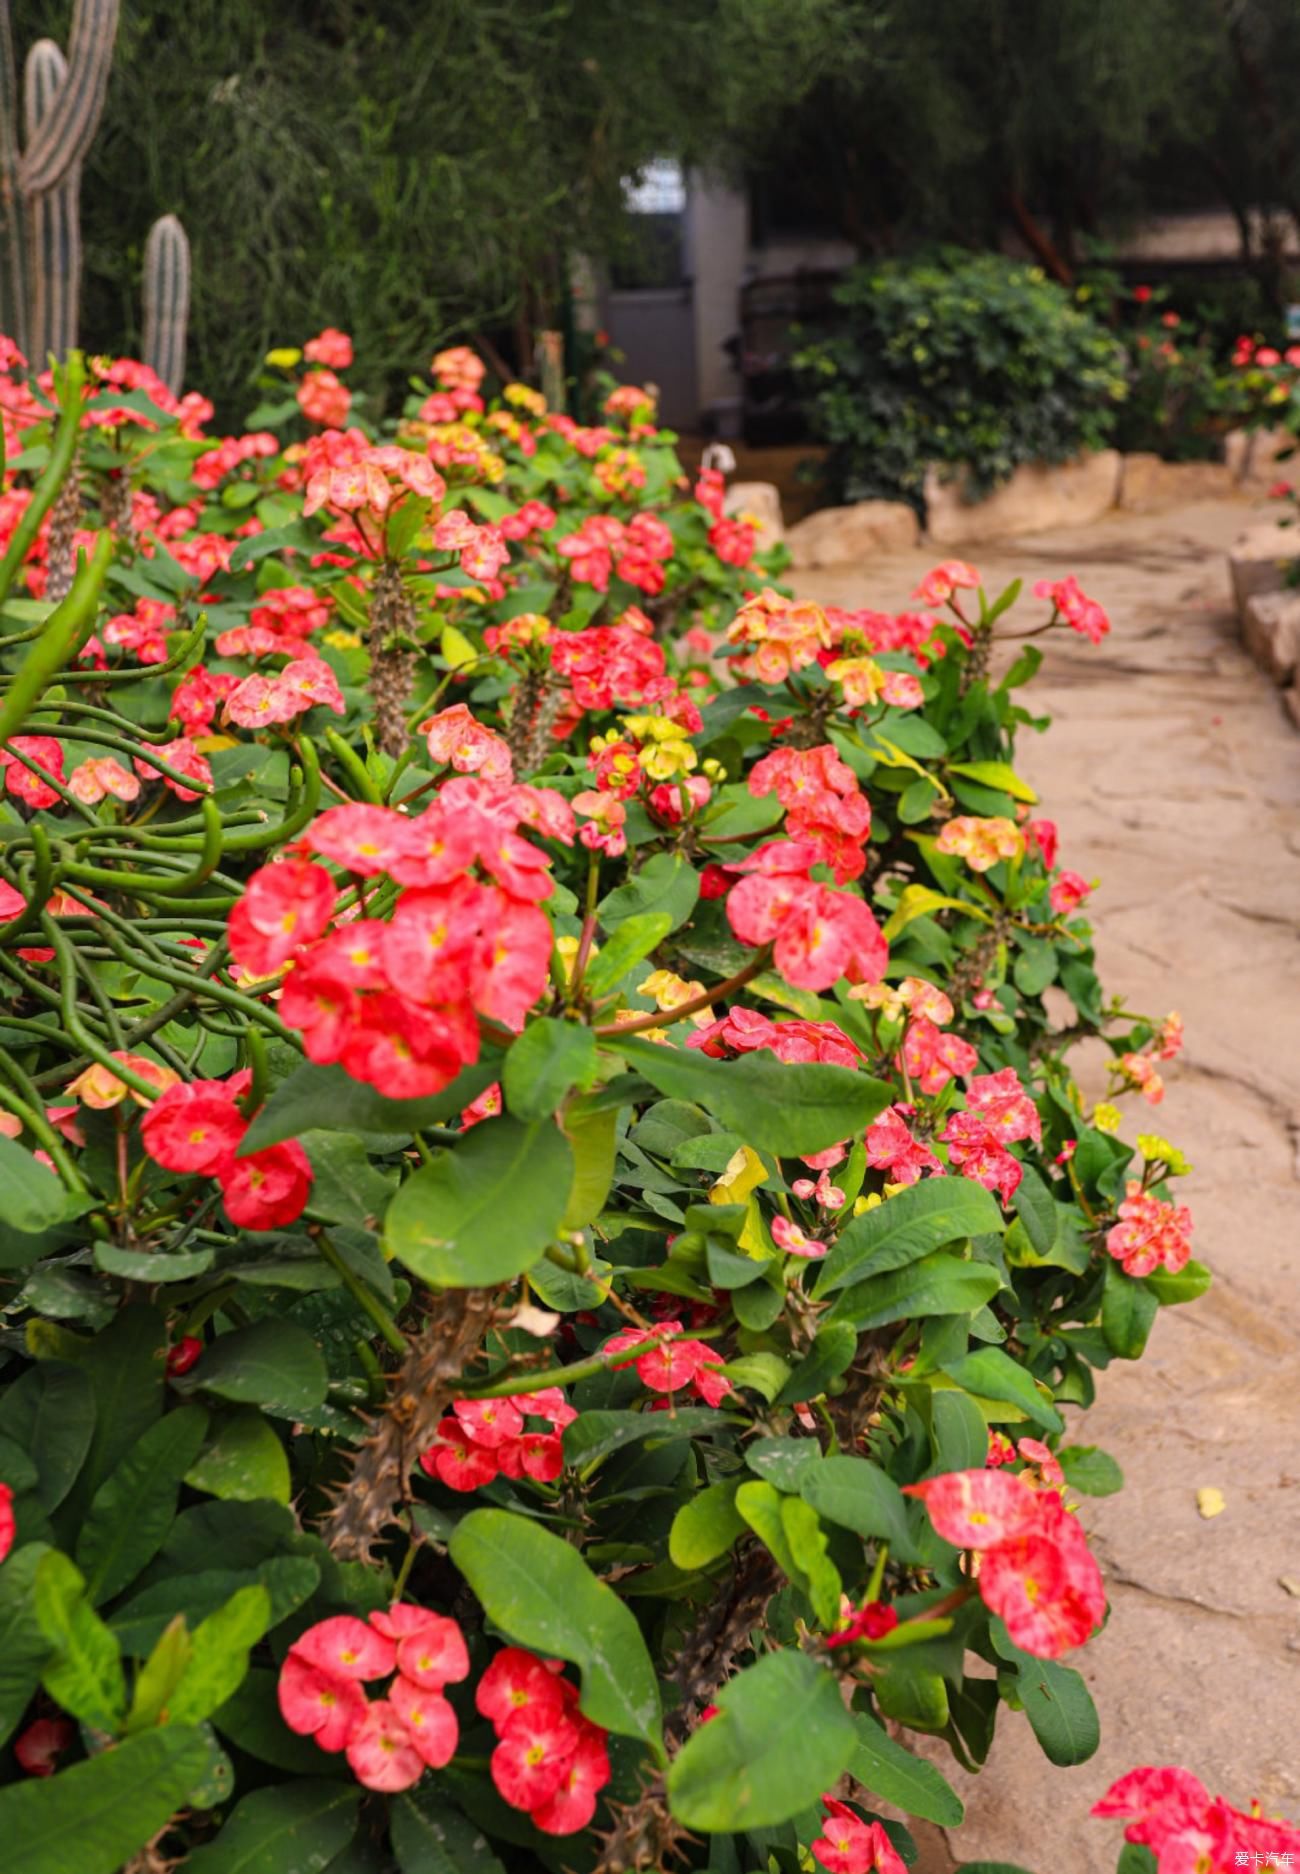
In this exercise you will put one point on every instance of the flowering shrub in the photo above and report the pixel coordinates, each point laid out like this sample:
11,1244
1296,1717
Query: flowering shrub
549,1236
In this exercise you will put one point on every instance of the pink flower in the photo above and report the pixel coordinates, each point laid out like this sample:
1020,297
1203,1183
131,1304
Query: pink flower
789,1237
330,347
1003,1105
1068,892
7,1522
455,736
980,842
573,1803
518,1681
457,1460
101,775
942,581
40,1746
530,1759
324,399
977,1151
185,758
434,1655
194,1127
285,905
1044,835
19,779
1150,1234
932,1058
382,1753
892,1149
1081,613
346,1648
319,1704
430,1721
848,1845
268,1189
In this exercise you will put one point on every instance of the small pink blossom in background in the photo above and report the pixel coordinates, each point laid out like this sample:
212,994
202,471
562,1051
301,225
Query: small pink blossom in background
1044,835
1150,1234
943,580
99,776
789,1237
324,399
1081,613
330,347
1068,892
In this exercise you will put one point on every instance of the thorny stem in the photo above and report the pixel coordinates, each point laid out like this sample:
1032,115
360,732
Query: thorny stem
359,1292
663,1018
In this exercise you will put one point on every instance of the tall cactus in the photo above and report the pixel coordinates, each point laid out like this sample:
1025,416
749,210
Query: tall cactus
39,233
166,300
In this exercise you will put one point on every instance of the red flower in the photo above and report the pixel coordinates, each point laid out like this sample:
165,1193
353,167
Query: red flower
872,1621
848,1845
1150,1234
330,347
977,1151
267,1189
383,1755
430,1721
185,1354
457,1461
194,1127
892,1149
7,1522
434,1655
529,1762
285,905
1068,892
519,1681
347,1648
19,779
319,1704
573,1804
675,1362
1003,1105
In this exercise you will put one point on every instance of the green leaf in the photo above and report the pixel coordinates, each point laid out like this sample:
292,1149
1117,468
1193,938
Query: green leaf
832,1353
243,1461
991,1374
1056,1701
1009,1867
430,1837
1036,1208
135,1507
346,1186
35,1196
540,1592
484,1212
297,1828
808,1546
597,1433
159,1676
906,1227
916,901
959,1434
50,1412
125,1365
937,1284
761,1372
783,1462
1169,1289
996,774
781,1738
1128,1309
549,1057
92,1818
138,1265
1090,1471
219,1649
632,940
325,1099
856,1494
85,1674
705,1526
776,1106
1134,1858
890,1771
271,1363
592,1136
668,883
913,1694
23,1647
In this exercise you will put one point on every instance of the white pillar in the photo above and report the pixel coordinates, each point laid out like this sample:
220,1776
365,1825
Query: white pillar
717,246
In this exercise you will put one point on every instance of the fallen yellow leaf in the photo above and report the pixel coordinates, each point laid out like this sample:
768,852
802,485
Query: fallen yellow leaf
1210,1502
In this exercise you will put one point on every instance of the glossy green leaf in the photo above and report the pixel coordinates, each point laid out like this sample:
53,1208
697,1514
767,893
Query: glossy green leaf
592,1136
632,940
1090,1471
159,1676
134,1508
1036,1208
781,1738
667,883
547,1060
906,1227
92,1818
1187,1284
831,1354
296,1828
1056,1701
35,1197
706,1525
539,1591
430,1837
959,1433
996,774
989,1373
270,1363
138,1265
937,1284
219,1649
891,1772
1128,1311
84,1673
856,1494
23,1647
484,1212
244,1460
776,1106
809,1547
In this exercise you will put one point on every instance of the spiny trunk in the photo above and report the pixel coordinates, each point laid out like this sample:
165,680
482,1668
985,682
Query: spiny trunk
392,617
61,542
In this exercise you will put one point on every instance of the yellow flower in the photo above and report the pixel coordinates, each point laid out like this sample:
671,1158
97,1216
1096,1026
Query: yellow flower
744,1173
524,397
340,640
670,991
862,1205
1106,1117
1153,1147
567,951
284,357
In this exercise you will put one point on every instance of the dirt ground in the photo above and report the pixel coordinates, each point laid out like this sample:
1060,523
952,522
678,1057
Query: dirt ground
1174,773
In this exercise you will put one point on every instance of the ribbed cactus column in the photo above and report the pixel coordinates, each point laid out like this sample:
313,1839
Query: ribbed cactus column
166,300
54,217
40,243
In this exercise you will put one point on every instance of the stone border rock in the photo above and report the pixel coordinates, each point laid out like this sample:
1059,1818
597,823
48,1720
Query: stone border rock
1261,563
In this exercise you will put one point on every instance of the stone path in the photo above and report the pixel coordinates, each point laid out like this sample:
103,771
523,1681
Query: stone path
1175,776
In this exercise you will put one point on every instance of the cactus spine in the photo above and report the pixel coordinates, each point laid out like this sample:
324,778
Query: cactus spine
40,237
166,300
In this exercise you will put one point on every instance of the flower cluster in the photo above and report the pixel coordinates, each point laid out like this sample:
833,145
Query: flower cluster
1191,1832
817,934
848,1845
389,1741
1035,1568
550,1760
673,1361
1151,1233
981,843
487,1438
1081,613
197,1126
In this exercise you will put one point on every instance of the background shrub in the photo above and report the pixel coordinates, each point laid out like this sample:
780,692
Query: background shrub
957,360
